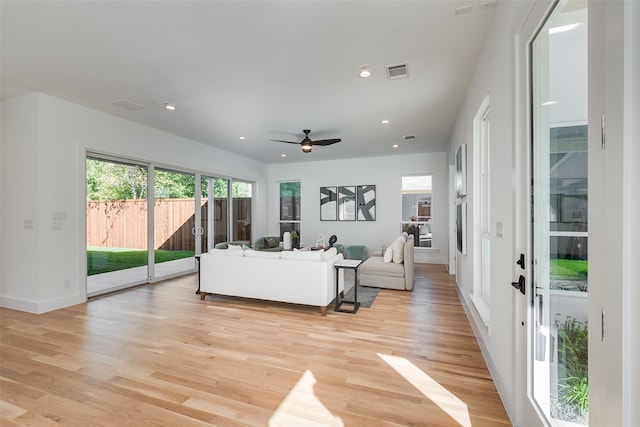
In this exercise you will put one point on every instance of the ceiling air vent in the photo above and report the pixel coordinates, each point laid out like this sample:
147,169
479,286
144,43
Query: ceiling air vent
409,137
397,71
125,104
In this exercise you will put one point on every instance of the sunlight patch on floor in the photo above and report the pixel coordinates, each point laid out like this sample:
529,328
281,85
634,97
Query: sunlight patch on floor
439,395
301,407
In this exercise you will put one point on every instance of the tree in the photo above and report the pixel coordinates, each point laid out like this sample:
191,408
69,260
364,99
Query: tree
107,180
290,189
115,181
174,185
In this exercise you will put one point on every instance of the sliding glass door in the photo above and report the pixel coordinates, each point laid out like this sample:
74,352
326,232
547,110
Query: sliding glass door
221,197
174,226
116,223
214,212
242,193
133,238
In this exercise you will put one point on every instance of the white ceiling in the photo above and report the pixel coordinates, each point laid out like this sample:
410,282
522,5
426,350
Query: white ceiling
260,69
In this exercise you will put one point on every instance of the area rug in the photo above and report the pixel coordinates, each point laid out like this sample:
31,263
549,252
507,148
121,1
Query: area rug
366,295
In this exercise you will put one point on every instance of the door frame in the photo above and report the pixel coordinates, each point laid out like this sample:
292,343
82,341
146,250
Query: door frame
527,414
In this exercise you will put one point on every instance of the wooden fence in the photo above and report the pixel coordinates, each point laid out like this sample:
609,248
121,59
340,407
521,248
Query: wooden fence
123,223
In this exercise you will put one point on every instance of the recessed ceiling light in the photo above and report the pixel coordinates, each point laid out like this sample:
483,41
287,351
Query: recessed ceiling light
242,138
385,122
169,106
365,72
283,155
395,145
547,103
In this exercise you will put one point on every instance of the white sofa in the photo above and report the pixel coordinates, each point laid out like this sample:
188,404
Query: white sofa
299,277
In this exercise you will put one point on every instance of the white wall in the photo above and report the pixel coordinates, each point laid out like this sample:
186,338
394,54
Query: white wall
494,76
614,235
631,349
383,172
614,190
19,199
44,141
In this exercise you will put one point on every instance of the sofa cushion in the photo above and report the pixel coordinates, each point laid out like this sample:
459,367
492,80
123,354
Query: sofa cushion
228,252
270,242
302,255
262,254
376,266
225,245
388,255
329,253
398,249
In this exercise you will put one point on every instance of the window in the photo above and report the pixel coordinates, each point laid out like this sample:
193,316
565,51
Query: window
416,208
485,200
481,295
289,207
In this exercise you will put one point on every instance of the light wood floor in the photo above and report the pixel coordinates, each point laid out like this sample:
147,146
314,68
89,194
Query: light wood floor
157,355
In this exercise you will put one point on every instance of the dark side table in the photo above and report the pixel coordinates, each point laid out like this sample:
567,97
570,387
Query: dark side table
347,264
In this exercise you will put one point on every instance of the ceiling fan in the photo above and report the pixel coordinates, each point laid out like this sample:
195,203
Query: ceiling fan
307,144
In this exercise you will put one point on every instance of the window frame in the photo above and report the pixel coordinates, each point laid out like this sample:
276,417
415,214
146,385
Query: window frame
286,224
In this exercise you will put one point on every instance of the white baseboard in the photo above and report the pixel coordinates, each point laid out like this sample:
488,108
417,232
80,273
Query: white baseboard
19,304
476,324
42,306
428,256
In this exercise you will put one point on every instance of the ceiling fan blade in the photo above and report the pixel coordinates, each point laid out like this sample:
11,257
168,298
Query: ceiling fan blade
322,142
288,142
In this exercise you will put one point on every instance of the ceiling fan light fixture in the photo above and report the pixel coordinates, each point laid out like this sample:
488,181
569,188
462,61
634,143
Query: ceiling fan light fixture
365,72
306,147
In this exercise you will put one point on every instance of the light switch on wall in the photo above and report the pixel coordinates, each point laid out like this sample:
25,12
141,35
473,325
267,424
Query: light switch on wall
499,227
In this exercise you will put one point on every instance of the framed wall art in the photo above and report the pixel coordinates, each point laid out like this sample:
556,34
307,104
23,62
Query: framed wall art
366,202
347,203
328,204
461,228
461,171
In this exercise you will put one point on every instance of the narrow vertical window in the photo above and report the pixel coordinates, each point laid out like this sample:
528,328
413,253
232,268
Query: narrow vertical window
485,203
481,295
289,205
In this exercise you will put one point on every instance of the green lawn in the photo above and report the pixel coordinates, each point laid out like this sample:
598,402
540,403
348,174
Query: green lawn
569,269
103,260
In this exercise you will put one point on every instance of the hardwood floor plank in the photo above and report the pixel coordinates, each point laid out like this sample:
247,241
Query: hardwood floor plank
157,355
